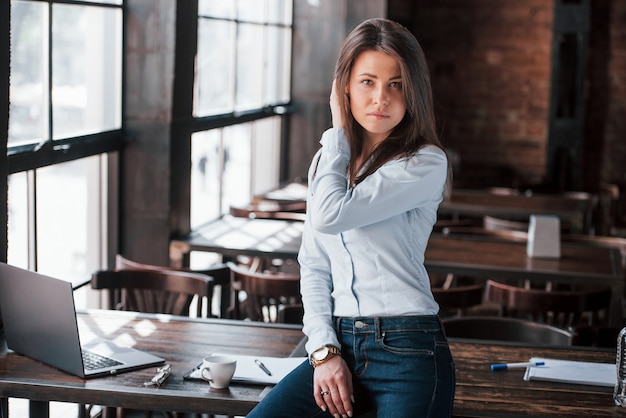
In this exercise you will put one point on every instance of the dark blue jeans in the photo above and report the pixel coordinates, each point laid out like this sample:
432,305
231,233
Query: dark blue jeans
401,366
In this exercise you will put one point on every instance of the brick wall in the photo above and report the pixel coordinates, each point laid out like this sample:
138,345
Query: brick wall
490,68
606,117
490,63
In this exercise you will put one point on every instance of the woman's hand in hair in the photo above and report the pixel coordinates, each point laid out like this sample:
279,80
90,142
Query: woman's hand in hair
335,107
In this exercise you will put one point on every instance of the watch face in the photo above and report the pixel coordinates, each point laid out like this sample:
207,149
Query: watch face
321,353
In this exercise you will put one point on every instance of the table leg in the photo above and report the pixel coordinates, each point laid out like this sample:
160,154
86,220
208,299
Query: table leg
39,409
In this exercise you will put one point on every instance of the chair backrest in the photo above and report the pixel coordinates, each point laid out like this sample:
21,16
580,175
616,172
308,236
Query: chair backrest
588,203
458,299
493,223
562,308
151,291
220,274
264,291
505,234
290,313
506,329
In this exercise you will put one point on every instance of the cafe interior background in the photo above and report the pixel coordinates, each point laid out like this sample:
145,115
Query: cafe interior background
133,122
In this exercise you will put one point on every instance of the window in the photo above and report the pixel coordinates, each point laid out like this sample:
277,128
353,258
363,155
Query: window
241,97
230,164
65,118
66,67
249,67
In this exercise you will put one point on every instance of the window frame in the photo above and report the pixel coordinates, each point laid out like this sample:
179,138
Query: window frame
184,123
33,156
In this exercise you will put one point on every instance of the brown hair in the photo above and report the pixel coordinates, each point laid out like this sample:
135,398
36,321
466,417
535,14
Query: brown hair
417,128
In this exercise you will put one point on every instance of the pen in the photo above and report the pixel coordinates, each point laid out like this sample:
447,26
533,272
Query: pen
516,365
262,366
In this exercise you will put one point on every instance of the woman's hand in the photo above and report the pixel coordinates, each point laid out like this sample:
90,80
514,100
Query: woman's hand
335,108
332,387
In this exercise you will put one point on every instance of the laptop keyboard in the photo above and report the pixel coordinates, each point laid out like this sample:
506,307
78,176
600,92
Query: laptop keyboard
94,361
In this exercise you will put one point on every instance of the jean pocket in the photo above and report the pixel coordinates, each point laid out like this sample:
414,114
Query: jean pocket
408,342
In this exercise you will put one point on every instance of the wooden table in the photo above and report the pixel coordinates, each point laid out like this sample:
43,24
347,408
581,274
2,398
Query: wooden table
471,255
290,192
576,212
183,342
482,393
232,236
503,259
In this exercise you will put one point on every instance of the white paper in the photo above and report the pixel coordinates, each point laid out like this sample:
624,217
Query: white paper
248,371
578,372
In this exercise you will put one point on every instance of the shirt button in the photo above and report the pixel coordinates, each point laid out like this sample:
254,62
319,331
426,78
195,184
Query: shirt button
359,324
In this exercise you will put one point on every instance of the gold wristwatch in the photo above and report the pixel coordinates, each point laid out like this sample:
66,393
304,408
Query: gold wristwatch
323,354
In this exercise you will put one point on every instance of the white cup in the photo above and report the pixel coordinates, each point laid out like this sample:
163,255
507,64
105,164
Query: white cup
218,370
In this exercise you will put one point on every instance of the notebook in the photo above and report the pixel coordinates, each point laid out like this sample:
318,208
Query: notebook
249,371
578,372
40,322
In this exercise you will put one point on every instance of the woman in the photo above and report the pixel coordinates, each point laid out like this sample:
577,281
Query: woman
374,337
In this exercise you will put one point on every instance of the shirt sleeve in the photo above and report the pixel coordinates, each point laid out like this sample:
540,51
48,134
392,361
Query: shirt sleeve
315,285
396,187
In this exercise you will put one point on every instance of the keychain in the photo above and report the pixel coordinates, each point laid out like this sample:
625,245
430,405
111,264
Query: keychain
161,375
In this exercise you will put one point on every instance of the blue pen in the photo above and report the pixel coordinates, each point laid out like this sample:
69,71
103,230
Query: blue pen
505,366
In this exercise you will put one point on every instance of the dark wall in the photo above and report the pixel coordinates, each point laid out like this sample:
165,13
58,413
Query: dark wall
490,69
490,63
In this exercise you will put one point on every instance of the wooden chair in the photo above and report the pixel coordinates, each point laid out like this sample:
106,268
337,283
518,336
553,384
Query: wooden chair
151,291
456,300
290,313
220,274
566,309
590,202
505,234
493,223
506,329
612,212
264,293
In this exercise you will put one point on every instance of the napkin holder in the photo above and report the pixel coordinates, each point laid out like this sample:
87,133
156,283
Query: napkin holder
544,237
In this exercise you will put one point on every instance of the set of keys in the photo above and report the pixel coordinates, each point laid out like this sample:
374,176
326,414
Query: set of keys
161,375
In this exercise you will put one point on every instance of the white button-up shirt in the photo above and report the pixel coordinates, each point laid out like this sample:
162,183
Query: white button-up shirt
362,250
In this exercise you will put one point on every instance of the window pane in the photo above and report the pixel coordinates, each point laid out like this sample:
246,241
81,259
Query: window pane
266,155
102,1
17,254
250,68
280,11
215,67
69,207
86,69
251,10
236,181
278,65
217,8
28,107
206,168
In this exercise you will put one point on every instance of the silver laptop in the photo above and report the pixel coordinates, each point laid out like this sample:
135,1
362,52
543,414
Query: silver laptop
39,319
